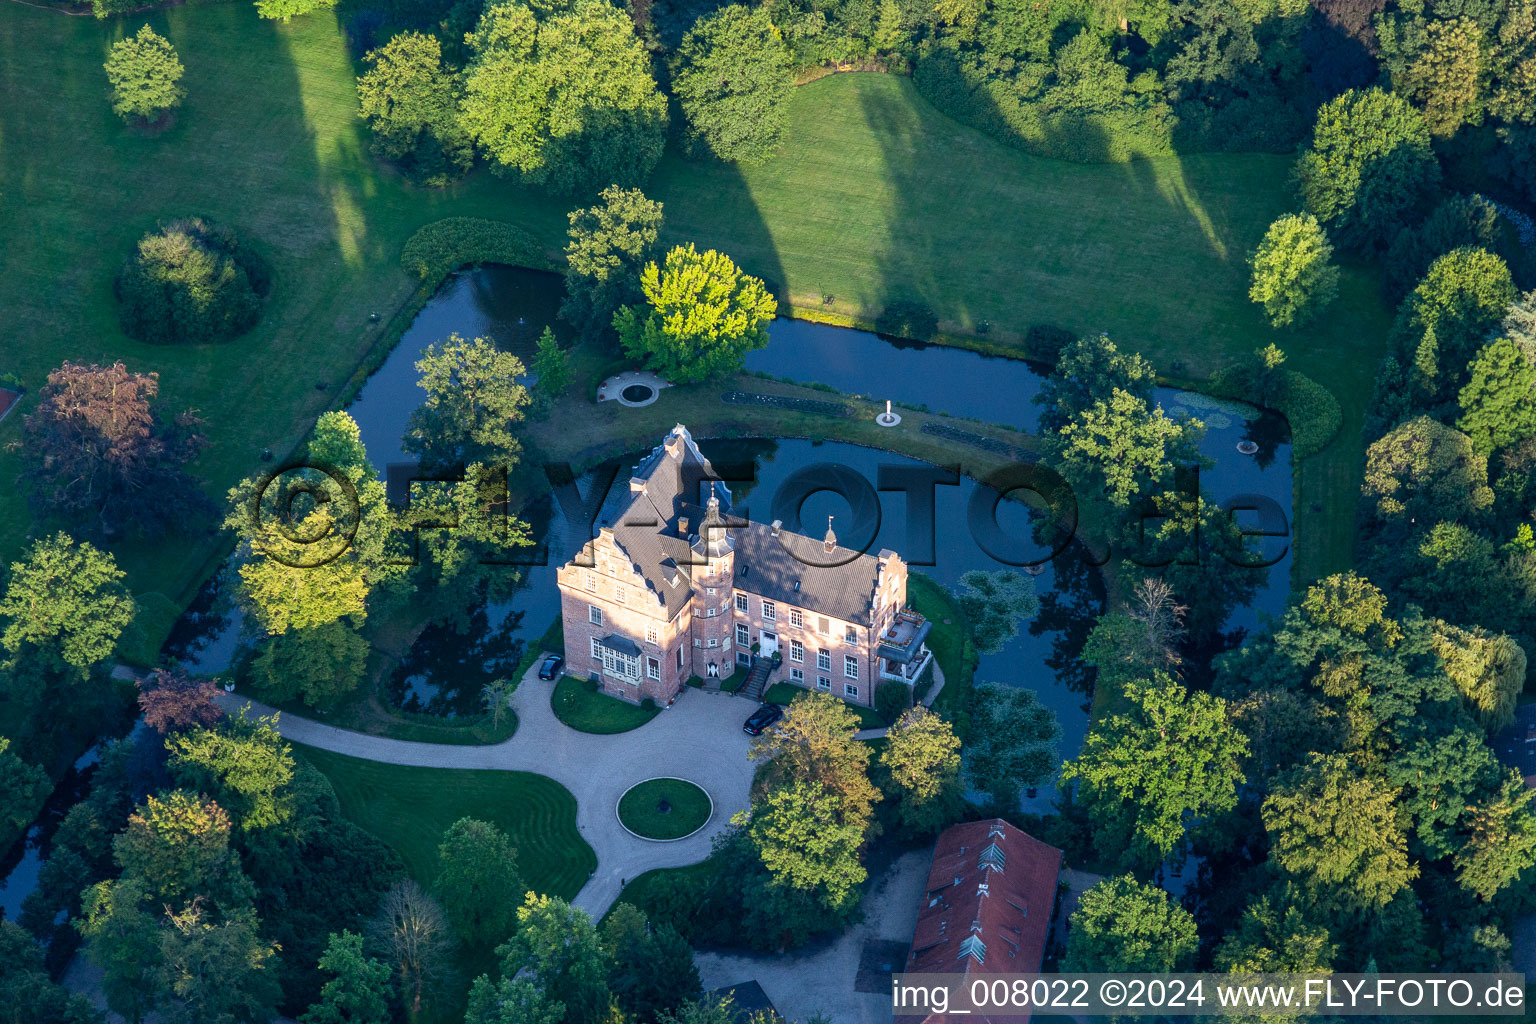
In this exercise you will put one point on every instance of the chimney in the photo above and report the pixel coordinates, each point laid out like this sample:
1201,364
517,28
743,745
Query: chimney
778,524
682,527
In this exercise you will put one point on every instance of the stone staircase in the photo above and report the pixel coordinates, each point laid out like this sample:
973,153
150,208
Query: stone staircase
757,680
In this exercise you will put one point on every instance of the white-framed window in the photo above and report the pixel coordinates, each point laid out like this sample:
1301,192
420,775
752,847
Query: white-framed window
618,592
652,636
624,666
850,634
796,651
823,626
797,675
697,642
594,615
796,618
743,634
824,660
714,568
597,650
653,668
709,591
679,657
850,667
590,579
714,641
770,613
741,603
850,691
823,683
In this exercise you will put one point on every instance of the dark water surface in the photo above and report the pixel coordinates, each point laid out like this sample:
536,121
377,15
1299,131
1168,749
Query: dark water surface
443,674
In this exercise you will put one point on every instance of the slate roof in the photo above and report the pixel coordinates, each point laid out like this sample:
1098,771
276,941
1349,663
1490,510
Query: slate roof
987,906
790,569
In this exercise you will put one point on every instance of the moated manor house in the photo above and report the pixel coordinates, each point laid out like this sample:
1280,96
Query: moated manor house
675,586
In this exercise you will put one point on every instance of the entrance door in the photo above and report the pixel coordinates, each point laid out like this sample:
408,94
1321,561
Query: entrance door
767,644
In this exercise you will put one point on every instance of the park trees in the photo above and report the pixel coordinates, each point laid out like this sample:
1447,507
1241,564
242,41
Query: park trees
354,994
477,881
474,403
191,281
1173,758
23,788
704,315
814,742
1124,925
557,948
1121,448
1498,403
282,10
994,604
562,95
412,930
511,1001
1426,471
245,765
809,844
610,244
101,453
922,757
1293,273
171,700
552,368
651,970
1331,825
731,78
411,103
176,845
1368,168
64,607
1443,70
146,77
1012,743
1090,370
1442,324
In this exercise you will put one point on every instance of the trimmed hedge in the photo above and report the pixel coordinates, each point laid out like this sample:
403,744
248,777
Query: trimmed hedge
445,245
1312,411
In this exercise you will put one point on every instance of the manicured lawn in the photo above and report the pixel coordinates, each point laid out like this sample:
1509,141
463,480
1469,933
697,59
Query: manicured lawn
409,808
785,693
688,809
876,196
950,644
580,705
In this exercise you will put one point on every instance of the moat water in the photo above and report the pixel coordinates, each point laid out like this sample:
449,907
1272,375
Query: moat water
443,674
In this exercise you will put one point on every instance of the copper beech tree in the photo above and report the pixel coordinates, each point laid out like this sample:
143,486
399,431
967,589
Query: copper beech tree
101,453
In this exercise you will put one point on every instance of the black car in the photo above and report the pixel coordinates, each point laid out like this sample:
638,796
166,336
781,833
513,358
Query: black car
762,718
551,667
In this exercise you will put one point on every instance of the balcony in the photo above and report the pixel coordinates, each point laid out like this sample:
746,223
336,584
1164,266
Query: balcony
902,641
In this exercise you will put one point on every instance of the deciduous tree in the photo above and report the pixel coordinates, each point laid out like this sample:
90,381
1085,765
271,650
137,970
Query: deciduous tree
814,743
652,970
1501,839
704,315
1174,758
922,755
1498,404
412,929
808,843
1336,829
245,765
474,403
1293,273
562,95
609,247
1368,168
731,76
64,606
1122,925
477,881
557,948
23,788
170,700
1012,743
101,453
411,103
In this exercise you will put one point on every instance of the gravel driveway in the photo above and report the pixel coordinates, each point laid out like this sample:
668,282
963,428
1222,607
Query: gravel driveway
698,738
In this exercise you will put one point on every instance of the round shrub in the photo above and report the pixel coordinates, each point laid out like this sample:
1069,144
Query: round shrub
190,281
906,319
